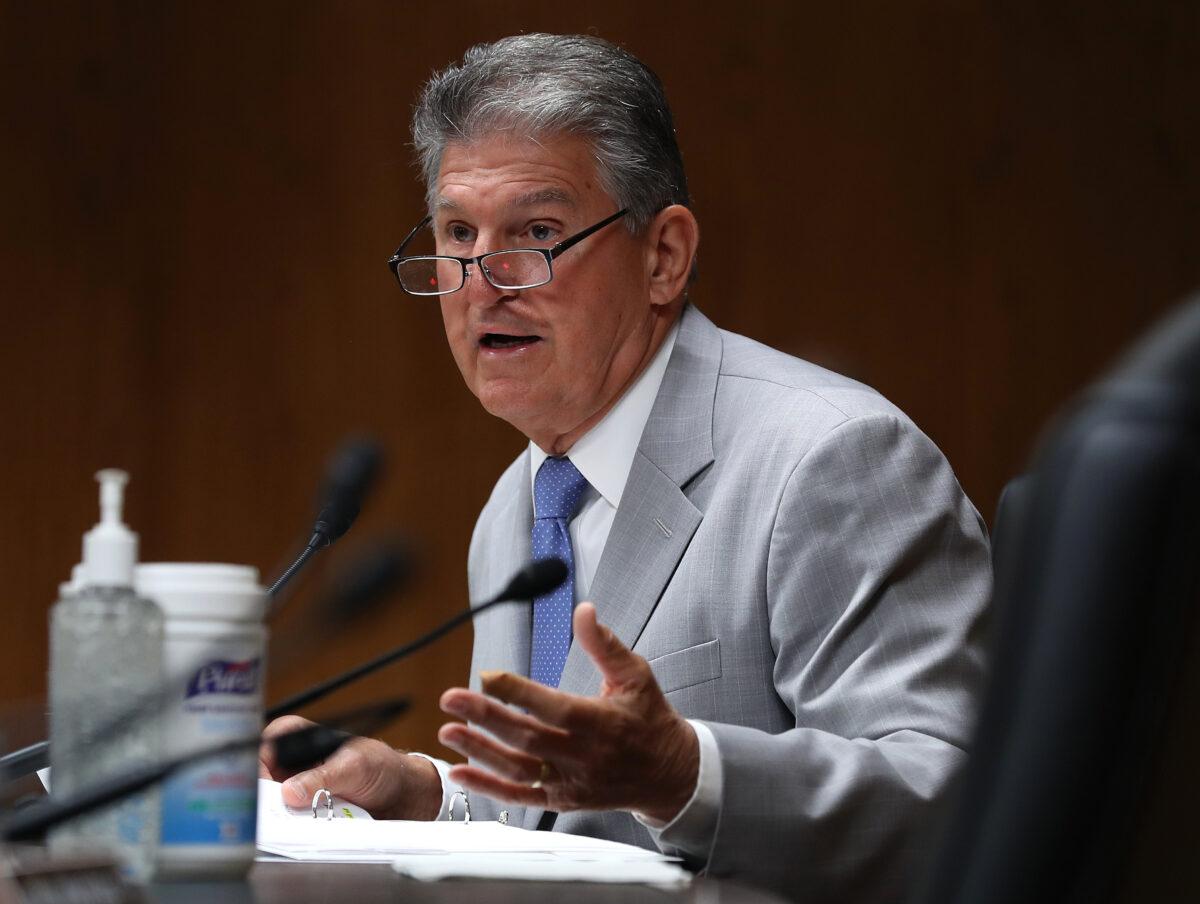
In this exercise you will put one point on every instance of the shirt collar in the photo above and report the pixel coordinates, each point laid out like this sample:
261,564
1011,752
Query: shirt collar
604,455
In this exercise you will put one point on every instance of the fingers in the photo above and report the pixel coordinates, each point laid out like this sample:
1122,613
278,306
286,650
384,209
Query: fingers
504,761
616,662
354,773
548,704
522,731
385,782
284,725
495,787
267,767
298,790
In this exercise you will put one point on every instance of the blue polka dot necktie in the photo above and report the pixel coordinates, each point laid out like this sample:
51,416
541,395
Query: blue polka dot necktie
557,491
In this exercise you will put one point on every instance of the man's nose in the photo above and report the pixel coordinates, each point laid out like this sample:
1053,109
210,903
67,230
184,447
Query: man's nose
479,290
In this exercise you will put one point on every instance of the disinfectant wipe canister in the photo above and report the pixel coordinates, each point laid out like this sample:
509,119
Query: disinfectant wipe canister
213,659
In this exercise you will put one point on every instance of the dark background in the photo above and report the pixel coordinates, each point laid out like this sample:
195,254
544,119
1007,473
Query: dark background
971,206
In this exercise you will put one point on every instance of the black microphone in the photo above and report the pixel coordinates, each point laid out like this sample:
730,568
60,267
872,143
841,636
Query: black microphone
374,576
351,474
534,580
296,750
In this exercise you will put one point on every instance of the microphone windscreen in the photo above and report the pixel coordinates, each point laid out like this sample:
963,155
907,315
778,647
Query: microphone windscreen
536,579
306,747
374,576
350,476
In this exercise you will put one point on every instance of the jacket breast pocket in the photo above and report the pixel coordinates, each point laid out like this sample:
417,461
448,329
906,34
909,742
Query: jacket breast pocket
691,665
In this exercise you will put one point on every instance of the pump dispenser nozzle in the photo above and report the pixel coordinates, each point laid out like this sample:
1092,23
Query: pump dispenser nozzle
112,494
110,548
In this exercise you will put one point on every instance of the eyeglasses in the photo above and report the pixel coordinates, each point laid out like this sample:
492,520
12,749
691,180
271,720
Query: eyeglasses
514,268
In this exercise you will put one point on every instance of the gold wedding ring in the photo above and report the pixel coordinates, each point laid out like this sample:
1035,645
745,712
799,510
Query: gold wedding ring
543,776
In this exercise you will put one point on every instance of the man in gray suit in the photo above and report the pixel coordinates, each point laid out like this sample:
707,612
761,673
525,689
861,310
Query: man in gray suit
778,674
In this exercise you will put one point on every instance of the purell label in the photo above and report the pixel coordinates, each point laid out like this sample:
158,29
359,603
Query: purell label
208,808
223,677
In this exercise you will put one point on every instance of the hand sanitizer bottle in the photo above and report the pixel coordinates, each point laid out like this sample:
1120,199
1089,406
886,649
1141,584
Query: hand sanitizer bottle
106,649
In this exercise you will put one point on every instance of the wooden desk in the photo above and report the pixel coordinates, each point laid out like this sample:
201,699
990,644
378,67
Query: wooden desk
346,883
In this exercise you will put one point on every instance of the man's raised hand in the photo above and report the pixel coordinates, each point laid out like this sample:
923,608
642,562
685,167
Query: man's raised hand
626,749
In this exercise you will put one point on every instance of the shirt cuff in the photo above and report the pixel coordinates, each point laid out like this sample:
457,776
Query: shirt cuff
694,827
449,789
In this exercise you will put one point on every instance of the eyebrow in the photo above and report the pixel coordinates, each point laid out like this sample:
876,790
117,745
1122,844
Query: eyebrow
545,196
529,199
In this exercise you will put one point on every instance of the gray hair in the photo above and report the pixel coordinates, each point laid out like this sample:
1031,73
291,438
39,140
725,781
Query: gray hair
541,84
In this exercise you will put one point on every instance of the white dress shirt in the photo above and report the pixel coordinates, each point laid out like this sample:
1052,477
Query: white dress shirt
604,456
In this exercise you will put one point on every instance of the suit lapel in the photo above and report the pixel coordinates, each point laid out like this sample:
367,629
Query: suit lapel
655,520
653,527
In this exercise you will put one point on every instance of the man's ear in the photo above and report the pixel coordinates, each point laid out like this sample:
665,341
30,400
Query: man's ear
672,237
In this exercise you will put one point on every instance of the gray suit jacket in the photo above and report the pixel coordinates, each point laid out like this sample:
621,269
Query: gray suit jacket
800,567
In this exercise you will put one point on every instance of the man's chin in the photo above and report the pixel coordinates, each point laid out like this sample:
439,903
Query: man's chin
509,400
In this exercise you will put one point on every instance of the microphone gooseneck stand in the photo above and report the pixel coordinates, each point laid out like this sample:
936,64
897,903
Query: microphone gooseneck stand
535,579
351,474
295,750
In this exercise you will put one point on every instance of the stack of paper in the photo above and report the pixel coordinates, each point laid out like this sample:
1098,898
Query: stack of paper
547,867
436,850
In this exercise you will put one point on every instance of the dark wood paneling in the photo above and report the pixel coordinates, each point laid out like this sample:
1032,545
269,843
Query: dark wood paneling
971,206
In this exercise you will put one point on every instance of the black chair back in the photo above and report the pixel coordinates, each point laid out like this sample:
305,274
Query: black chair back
1082,785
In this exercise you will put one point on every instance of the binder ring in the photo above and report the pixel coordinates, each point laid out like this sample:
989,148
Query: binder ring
466,807
316,803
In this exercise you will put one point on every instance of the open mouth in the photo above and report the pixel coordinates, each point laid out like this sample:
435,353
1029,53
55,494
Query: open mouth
506,341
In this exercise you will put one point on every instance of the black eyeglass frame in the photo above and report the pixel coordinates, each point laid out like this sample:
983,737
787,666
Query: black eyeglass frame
550,254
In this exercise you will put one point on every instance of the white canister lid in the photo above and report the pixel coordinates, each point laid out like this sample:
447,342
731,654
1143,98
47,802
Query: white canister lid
202,590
